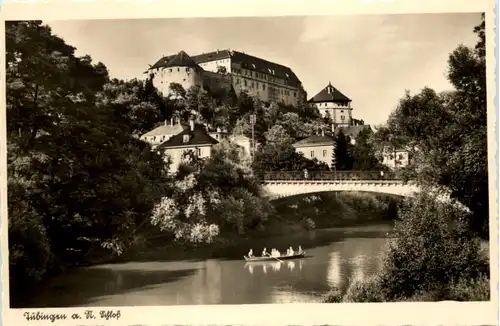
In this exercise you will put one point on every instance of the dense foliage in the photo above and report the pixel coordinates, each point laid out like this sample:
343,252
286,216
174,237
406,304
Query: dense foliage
218,194
432,256
446,133
79,181
436,253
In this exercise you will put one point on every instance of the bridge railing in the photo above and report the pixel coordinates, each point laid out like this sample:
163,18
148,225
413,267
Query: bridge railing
327,175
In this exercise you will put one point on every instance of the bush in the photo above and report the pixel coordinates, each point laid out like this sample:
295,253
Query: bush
364,291
29,247
334,296
433,257
432,249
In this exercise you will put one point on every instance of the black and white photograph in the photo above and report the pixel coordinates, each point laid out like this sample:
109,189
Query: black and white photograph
249,160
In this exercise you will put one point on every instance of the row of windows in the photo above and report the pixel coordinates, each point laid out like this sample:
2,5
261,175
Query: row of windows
153,138
324,153
216,61
271,89
339,104
341,111
256,74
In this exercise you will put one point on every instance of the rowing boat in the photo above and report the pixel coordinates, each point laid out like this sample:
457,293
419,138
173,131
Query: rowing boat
257,259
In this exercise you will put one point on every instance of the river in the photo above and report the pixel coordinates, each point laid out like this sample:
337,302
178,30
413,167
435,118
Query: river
336,256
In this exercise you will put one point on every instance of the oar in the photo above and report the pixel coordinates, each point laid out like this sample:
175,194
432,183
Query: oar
276,258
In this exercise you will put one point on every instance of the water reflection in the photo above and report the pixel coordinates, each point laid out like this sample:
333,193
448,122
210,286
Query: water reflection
218,281
334,277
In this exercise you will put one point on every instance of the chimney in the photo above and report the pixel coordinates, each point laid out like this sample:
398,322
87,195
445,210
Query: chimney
191,125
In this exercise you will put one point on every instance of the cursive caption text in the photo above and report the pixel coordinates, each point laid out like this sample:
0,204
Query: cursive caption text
88,314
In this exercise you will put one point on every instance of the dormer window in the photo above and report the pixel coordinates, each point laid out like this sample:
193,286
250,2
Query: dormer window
185,138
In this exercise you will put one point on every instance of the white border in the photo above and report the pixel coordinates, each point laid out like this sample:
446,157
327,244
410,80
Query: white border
444,313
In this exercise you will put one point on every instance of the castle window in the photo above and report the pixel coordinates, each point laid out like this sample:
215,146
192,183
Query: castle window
178,69
237,80
187,69
312,154
324,153
245,82
170,70
263,87
198,151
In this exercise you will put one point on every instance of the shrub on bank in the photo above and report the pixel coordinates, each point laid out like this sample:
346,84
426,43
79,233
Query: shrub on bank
432,257
337,209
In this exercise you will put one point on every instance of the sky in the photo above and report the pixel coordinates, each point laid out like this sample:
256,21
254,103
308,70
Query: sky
372,59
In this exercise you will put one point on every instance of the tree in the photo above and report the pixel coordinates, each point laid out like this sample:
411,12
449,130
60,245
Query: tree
278,135
364,156
283,157
444,256
79,182
447,133
343,152
130,104
222,197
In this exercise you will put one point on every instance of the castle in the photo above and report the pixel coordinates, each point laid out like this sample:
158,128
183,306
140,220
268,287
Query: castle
263,79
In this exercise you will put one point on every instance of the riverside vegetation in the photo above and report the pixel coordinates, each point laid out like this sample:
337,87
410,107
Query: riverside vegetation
82,188
436,253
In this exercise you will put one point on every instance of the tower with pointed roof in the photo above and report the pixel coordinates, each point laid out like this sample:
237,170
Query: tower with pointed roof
333,104
180,69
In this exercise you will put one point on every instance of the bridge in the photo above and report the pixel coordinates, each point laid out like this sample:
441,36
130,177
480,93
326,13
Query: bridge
281,184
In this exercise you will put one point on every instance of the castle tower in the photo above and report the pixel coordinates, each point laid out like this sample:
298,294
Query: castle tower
333,104
180,69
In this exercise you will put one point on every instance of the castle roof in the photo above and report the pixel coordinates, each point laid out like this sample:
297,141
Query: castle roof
329,94
315,140
181,59
197,137
247,62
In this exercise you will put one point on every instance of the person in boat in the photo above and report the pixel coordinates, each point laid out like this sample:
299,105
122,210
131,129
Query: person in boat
265,253
250,253
290,252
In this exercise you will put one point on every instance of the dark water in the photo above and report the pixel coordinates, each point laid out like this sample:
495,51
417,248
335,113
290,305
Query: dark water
337,256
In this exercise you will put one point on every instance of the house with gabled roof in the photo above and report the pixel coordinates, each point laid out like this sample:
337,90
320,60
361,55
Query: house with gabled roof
332,104
195,138
163,133
320,147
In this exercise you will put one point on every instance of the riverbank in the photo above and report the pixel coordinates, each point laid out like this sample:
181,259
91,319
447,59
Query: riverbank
293,215
312,215
434,257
